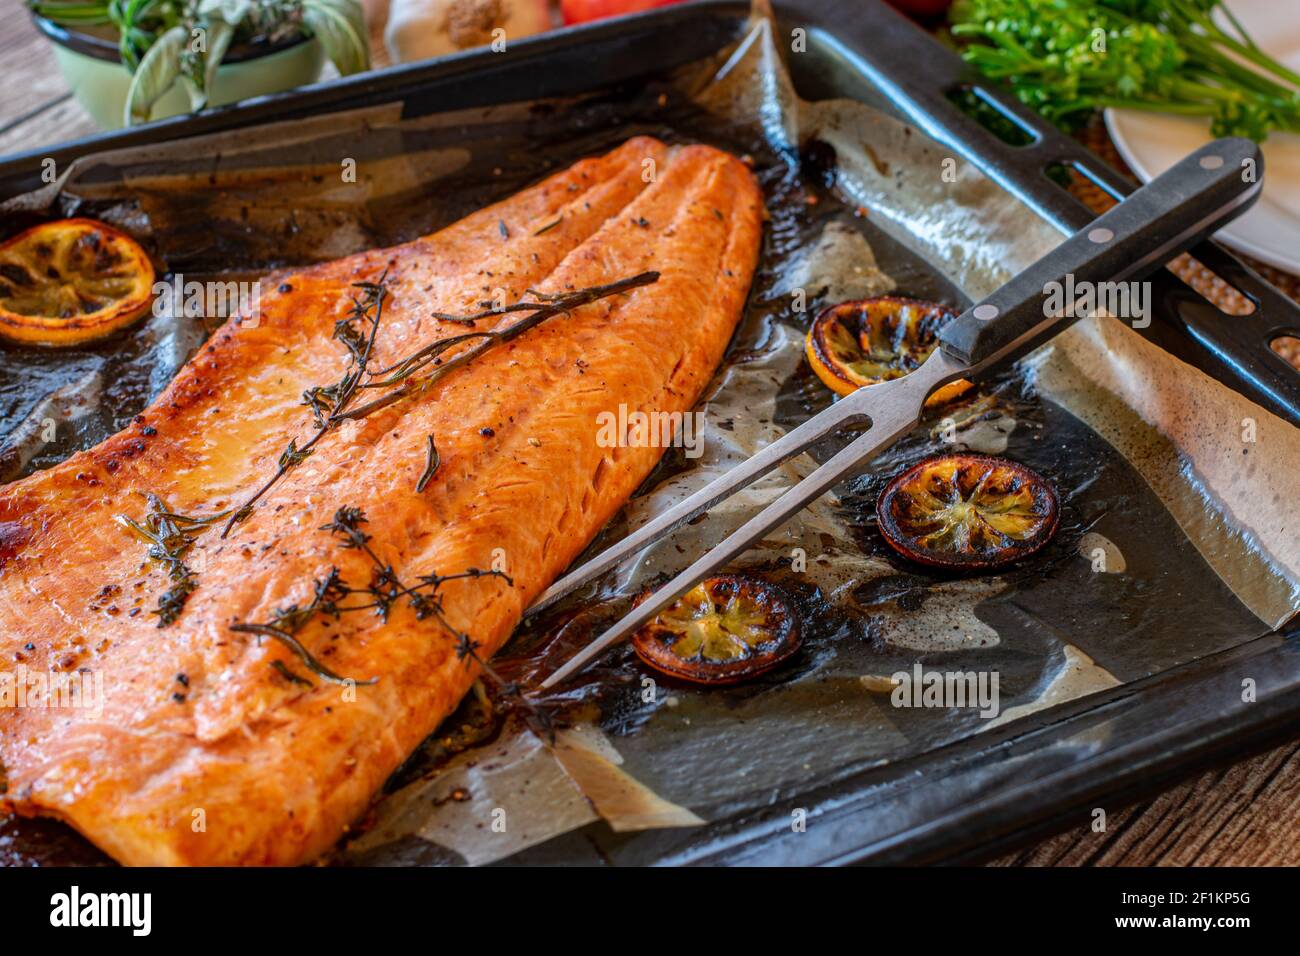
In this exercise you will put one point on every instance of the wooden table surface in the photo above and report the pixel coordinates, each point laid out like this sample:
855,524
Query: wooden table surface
1246,815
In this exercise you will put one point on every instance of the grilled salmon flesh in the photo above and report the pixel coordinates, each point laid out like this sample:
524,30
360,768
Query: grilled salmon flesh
217,746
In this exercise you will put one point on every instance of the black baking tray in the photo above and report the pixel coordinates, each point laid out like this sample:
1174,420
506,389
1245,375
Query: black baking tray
1041,772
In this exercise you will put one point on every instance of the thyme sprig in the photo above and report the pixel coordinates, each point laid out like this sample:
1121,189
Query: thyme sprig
331,404
287,621
386,588
170,536
544,307
357,331
384,591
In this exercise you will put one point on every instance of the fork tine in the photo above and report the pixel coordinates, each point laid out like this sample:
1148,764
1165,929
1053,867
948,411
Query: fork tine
892,407
739,541
842,414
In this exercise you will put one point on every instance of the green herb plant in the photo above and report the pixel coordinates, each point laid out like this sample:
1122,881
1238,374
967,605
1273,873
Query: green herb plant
1067,58
162,41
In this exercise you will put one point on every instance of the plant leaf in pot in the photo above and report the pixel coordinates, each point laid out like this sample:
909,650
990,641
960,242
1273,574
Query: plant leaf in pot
155,75
220,51
340,25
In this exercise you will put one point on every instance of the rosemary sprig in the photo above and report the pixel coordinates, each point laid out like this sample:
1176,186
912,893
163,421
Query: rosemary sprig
327,403
400,371
431,463
548,227
289,675
545,306
170,536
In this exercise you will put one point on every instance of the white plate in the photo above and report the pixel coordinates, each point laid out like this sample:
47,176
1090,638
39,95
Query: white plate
1152,142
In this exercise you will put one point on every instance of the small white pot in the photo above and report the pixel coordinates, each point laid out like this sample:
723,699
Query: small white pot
98,79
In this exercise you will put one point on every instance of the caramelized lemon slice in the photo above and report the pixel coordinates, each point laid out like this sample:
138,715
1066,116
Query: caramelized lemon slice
71,281
866,341
967,512
723,630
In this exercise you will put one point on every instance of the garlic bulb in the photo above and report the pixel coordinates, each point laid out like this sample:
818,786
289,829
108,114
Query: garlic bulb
418,29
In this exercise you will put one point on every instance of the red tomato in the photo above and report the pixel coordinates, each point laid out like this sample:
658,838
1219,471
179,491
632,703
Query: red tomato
584,11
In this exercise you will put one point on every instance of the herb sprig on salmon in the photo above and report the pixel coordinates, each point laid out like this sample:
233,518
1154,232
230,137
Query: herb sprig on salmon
217,746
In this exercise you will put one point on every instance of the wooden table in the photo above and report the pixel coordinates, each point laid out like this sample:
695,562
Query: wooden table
1245,815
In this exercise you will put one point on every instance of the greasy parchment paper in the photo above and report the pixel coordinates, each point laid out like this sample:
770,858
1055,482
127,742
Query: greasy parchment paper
1147,453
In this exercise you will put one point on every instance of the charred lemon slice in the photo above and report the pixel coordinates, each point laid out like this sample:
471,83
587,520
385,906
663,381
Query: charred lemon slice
874,340
67,282
722,631
967,512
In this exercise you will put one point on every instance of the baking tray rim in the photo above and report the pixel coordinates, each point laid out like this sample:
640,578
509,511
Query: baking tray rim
952,835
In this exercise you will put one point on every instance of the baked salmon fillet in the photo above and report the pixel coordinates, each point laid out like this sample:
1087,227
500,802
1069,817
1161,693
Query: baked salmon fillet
218,746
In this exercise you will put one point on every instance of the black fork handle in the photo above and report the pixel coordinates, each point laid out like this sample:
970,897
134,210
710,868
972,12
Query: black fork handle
1183,205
